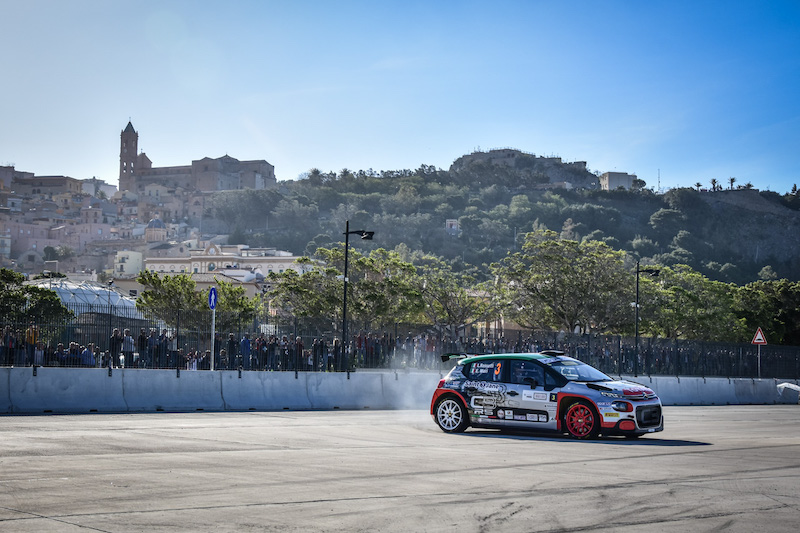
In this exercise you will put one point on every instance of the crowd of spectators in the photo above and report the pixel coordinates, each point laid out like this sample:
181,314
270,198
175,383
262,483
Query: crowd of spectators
151,348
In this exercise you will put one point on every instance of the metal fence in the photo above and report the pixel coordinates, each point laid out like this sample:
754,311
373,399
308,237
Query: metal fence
102,336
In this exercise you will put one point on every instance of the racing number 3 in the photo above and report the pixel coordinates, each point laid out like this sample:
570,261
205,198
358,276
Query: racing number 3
497,369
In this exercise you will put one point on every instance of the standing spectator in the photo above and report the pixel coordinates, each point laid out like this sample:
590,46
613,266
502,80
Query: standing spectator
245,348
316,354
272,353
152,349
337,354
232,345
115,345
191,360
31,338
7,351
283,350
172,347
217,347
60,355
163,346
128,346
299,349
141,345
87,356
328,352
38,354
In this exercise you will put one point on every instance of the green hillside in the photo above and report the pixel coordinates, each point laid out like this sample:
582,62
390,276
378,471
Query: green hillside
735,235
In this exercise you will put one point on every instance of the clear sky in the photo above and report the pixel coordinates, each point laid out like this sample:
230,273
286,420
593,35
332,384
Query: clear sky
692,89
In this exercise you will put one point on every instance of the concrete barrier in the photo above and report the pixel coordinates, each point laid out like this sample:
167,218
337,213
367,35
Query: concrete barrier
712,391
84,390
167,390
64,390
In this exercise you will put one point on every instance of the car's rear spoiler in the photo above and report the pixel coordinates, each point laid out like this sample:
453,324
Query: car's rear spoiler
447,356
552,352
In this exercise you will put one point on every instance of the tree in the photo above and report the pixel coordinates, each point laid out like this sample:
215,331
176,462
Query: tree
176,300
773,306
714,184
732,180
21,303
685,304
697,186
565,284
453,301
380,291
50,253
667,223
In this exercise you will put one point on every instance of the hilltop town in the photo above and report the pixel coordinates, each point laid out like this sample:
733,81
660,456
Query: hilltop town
90,230
222,217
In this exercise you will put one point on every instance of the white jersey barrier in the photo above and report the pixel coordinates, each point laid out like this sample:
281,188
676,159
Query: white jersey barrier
80,390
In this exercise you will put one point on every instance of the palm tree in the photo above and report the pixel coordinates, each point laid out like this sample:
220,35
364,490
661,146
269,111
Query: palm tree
732,180
714,184
698,185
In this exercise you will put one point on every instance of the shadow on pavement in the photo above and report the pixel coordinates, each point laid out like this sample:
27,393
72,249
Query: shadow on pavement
644,440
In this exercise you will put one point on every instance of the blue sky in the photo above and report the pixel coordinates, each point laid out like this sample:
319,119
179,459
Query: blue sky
693,90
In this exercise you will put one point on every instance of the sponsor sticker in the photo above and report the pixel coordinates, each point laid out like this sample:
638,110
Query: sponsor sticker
509,414
520,417
532,417
542,418
527,394
611,415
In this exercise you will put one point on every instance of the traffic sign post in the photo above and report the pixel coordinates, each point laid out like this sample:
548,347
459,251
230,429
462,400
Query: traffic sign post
212,303
759,339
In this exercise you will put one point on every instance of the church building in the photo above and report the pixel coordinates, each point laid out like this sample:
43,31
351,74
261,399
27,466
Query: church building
136,171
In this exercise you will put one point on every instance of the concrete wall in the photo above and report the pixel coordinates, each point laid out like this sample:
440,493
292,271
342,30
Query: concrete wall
86,390
80,390
713,391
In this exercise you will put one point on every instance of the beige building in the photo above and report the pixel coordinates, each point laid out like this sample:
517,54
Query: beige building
47,185
235,261
136,171
127,264
611,181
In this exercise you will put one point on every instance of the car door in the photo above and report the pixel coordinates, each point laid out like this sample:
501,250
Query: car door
485,391
529,404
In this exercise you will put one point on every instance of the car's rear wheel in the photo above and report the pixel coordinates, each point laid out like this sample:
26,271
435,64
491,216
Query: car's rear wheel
581,421
451,415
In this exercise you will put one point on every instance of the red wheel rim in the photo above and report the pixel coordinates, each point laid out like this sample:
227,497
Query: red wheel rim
580,420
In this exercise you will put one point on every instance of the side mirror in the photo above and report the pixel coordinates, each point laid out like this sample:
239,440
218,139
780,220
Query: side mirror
531,381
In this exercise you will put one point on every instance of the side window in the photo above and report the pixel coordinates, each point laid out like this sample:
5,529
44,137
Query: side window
526,369
489,370
553,380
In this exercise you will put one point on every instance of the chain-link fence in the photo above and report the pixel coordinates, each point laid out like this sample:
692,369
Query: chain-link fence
112,336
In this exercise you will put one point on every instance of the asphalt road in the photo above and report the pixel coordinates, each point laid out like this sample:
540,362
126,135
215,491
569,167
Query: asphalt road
733,468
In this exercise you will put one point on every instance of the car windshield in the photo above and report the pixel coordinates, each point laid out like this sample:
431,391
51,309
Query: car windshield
574,370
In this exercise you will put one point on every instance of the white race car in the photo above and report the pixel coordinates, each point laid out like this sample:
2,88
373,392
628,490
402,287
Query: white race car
542,391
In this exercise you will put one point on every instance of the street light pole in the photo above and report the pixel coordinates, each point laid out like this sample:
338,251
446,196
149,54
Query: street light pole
367,236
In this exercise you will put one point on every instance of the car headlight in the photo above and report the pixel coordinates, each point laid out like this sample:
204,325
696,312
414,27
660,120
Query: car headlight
624,407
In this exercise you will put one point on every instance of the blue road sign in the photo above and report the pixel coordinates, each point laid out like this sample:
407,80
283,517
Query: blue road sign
212,298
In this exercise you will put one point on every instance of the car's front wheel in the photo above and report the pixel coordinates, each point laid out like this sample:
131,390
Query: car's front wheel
581,421
451,415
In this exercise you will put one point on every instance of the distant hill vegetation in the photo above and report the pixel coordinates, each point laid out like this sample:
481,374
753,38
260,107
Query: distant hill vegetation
733,235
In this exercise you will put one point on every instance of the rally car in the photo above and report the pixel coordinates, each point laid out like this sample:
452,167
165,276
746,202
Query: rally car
542,391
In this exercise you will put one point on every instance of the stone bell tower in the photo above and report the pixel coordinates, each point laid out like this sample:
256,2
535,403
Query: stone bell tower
128,148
